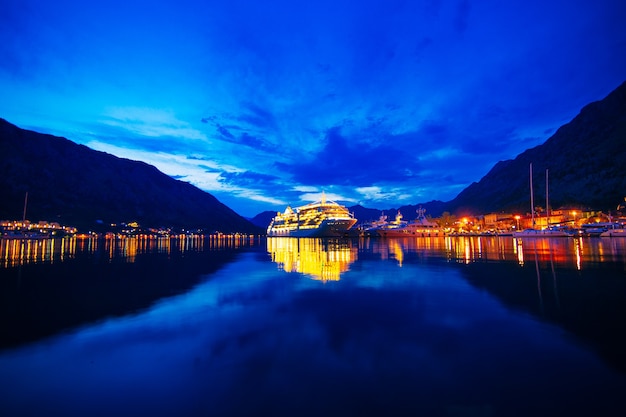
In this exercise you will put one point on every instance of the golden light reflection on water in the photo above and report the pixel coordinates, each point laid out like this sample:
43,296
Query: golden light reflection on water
325,259
567,252
397,248
15,252
320,259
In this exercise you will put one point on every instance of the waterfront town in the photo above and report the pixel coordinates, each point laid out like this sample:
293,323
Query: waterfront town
576,221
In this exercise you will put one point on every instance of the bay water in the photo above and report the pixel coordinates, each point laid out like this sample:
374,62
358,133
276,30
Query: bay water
255,326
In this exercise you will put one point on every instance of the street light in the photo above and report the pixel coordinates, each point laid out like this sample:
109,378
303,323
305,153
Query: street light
517,221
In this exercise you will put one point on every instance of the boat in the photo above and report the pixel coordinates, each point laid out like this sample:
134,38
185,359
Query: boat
595,229
614,233
400,228
23,231
369,228
322,218
549,231
614,230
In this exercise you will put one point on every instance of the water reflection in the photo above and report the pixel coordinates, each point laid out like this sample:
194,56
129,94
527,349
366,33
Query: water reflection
419,326
571,253
320,259
51,285
325,259
16,252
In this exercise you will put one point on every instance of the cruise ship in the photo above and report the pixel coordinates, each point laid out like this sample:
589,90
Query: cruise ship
320,219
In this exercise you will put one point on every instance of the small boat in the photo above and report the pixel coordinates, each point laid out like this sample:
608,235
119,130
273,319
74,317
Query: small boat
614,231
595,229
420,227
369,228
549,232
23,232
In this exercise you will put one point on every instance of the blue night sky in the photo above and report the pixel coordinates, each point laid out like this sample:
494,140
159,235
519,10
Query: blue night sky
264,104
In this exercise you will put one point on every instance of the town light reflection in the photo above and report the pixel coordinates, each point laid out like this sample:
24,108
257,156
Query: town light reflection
16,252
324,259
564,252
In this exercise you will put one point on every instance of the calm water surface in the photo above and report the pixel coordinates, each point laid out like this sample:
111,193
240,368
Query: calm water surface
480,326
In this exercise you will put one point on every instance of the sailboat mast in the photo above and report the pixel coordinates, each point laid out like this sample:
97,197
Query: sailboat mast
532,201
547,206
24,213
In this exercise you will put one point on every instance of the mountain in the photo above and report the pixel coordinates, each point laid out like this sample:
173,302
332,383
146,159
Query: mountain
75,185
433,208
585,158
365,214
263,219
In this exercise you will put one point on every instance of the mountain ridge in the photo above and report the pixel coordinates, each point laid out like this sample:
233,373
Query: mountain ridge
78,186
577,177
585,158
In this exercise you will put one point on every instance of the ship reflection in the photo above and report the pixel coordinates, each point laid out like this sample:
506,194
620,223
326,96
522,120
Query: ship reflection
319,259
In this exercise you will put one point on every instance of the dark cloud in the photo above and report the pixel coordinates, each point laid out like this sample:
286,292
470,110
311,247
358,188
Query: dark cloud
249,179
257,116
404,95
243,137
350,161
224,132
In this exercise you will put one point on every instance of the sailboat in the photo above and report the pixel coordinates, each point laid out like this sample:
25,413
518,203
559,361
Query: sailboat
548,231
22,232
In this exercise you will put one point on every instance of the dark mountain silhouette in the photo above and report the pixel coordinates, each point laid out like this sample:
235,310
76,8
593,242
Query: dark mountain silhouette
75,185
409,212
263,219
364,214
586,159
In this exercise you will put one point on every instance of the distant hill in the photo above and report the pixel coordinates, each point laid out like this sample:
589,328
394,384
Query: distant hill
409,212
75,185
263,219
586,159
364,214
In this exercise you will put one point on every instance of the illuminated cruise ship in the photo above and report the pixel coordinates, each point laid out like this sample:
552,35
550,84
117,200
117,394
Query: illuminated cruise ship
320,219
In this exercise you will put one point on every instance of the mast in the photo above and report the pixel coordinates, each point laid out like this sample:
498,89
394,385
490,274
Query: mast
24,213
532,201
547,206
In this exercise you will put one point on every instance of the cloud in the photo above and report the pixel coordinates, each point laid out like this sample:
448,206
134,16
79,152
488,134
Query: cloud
349,160
385,101
249,179
258,117
151,122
